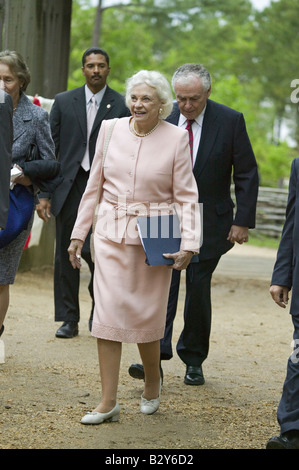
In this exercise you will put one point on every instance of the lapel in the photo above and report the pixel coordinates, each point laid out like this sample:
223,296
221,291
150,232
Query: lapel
105,107
21,117
79,104
173,118
209,133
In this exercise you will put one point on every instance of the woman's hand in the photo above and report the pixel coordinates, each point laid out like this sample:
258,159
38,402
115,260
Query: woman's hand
22,179
74,251
181,259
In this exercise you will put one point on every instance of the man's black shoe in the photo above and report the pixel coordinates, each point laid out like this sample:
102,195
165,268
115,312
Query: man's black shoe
287,440
68,329
1,330
194,376
137,371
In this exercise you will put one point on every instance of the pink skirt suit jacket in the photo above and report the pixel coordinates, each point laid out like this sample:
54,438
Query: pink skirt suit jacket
138,173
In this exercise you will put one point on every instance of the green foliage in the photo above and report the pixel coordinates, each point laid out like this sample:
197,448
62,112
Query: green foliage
81,33
119,40
274,159
258,239
274,162
277,49
252,57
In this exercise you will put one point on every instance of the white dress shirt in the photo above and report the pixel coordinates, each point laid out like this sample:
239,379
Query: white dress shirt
98,96
88,97
196,129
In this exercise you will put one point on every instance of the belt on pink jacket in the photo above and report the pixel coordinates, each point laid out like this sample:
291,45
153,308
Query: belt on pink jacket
121,207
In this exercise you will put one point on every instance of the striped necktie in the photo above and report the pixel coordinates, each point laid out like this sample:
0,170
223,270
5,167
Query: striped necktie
92,111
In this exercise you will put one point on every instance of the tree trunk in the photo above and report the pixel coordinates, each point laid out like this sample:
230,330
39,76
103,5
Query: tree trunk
2,15
40,31
97,26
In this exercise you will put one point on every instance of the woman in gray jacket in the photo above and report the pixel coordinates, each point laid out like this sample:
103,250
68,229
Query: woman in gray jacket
30,126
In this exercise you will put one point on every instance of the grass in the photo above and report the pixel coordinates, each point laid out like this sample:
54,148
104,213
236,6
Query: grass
263,241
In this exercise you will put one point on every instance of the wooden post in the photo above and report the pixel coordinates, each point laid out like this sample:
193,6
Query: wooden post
2,13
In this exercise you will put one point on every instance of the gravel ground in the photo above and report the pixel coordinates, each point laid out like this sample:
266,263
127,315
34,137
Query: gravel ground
48,384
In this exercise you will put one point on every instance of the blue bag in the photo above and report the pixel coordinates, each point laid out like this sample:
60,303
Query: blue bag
21,203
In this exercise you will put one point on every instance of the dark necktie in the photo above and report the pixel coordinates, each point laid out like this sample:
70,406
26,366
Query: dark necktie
189,129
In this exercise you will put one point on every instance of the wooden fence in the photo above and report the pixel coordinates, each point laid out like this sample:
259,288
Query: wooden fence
270,212
271,208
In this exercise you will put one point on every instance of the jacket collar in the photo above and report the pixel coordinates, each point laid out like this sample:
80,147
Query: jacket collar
209,133
106,104
22,114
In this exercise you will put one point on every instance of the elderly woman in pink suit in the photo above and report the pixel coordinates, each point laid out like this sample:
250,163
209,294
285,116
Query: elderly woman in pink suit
147,165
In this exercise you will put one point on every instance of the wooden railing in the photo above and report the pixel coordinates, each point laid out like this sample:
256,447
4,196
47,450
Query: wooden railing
270,212
271,209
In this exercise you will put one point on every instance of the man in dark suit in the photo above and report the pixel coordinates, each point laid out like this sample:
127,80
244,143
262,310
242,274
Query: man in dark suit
286,277
75,151
6,136
221,150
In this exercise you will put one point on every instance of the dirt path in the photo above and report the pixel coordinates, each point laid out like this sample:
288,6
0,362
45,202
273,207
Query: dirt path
48,384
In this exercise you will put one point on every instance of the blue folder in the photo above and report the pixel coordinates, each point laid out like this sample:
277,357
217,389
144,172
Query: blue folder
159,234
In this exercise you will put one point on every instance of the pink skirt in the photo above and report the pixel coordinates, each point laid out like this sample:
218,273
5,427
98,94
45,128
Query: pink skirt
130,296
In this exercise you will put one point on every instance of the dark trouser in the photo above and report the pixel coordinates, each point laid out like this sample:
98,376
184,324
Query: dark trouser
193,344
288,409
66,278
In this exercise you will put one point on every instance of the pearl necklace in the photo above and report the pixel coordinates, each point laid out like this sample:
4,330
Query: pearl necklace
148,133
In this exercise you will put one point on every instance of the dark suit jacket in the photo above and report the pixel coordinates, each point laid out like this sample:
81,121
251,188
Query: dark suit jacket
224,153
69,130
6,137
286,268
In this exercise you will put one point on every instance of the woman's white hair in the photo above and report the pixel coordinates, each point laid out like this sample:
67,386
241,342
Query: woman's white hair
157,81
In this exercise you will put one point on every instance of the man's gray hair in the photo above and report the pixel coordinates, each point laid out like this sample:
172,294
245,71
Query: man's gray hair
188,71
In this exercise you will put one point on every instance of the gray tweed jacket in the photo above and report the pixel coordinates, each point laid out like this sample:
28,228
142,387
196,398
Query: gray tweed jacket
31,125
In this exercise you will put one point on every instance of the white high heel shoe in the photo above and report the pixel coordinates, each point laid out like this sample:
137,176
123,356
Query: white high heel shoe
150,407
94,417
